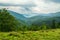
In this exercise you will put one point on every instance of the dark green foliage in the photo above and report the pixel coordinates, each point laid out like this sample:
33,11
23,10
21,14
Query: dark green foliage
59,25
23,28
7,21
53,24
43,26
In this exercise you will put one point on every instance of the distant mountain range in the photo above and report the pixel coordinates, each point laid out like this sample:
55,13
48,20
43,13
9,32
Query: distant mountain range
37,20
20,17
45,18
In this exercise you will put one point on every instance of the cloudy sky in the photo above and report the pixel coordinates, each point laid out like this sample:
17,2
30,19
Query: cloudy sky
31,6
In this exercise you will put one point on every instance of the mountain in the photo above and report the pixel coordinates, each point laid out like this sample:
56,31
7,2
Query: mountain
45,18
19,17
38,19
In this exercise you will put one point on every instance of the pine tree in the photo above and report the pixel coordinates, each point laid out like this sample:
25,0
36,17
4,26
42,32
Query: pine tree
53,24
7,21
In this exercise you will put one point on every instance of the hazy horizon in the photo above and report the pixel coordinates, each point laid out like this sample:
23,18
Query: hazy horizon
31,7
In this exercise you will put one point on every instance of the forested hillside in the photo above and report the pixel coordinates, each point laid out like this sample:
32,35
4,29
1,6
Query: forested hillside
9,22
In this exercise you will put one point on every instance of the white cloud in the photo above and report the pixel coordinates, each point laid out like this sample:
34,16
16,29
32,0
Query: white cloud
41,6
15,1
55,1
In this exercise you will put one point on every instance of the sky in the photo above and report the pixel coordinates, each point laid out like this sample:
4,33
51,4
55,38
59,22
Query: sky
31,6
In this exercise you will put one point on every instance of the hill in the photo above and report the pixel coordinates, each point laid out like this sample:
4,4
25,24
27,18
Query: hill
38,19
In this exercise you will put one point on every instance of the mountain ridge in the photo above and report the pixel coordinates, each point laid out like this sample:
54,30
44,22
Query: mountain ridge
36,19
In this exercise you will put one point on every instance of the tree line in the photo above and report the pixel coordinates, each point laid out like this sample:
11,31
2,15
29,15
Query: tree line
9,23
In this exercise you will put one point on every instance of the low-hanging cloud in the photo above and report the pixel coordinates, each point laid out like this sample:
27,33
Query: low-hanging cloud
32,6
57,1
54,1
24,5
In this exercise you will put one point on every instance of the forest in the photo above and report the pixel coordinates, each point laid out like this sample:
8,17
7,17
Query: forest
10,23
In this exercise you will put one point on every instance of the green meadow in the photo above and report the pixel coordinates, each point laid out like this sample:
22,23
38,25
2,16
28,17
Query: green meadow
12,28
51,34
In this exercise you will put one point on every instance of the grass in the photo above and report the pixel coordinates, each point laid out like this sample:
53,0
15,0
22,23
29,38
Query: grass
51,34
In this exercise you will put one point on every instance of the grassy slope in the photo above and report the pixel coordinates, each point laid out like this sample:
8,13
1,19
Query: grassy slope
53,34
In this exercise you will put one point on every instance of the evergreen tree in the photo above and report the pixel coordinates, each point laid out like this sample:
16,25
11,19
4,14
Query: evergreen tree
53,24
7,21
43,26
58,25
